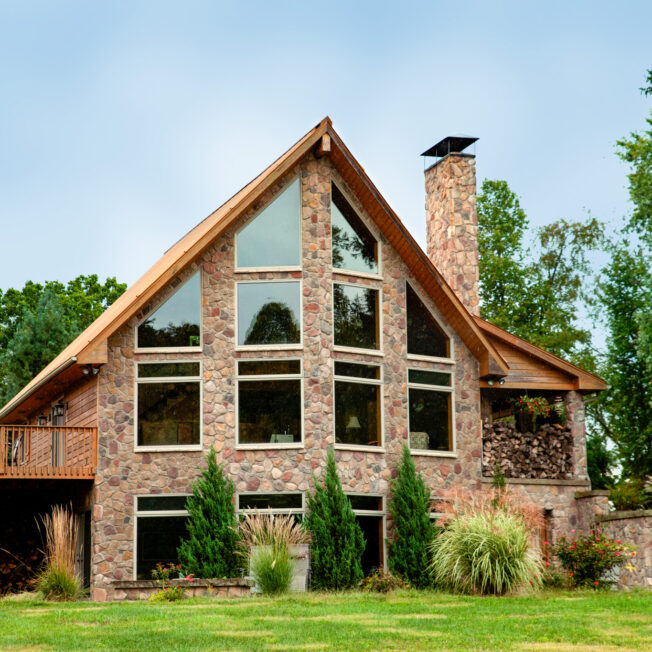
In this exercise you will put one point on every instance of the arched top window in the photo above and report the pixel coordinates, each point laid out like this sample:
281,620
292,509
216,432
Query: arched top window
272,239
425,337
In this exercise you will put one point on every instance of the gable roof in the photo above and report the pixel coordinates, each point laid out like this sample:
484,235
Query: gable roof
532,367
325,141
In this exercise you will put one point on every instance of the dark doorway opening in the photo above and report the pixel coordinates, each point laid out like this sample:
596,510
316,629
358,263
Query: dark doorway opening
372,530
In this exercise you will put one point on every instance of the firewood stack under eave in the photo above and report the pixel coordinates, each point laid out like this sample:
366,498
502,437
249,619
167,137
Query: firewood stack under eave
547,453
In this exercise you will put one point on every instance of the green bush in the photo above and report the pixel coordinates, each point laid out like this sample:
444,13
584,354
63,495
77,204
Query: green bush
211,548
485,552
381,582
413,529
588,559
272,568
58,583
629,495
337,540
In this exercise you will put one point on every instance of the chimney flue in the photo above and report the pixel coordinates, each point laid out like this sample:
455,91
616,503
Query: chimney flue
451,218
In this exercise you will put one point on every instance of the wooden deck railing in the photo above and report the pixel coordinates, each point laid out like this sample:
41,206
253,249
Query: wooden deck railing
48,452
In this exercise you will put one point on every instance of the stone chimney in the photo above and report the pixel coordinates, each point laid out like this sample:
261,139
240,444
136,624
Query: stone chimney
451,217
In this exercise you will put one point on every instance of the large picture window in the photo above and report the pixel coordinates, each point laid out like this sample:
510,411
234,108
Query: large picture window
357,318
430,395
270,403
269,313
160,528
169,405
354,247
176,323
358,420
272,238
425,337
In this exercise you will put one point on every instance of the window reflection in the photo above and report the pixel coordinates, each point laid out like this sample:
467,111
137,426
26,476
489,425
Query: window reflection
424,335
356,316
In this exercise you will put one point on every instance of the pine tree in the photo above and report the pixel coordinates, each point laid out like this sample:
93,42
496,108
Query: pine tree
337,541
211,549
414,531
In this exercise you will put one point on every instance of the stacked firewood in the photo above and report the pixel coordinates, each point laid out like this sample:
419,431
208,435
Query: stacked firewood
20,559
546,453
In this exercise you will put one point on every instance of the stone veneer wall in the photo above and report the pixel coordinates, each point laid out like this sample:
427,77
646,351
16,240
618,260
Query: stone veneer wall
452,225
123,473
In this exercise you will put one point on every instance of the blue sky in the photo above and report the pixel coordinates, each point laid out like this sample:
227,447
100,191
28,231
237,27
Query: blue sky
123,124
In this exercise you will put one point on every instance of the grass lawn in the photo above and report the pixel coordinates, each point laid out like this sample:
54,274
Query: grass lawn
401,621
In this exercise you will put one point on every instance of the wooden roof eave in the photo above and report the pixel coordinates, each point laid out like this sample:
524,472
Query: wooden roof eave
491,362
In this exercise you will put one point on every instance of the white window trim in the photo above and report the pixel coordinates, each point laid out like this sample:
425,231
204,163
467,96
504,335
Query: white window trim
381,513
165,379
176,349
150,514
361,381
272,510
448,389
451,340
251,377
354,349
280,268
349,272
294,346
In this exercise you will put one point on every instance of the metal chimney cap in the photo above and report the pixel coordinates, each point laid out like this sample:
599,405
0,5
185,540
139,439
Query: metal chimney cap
450,144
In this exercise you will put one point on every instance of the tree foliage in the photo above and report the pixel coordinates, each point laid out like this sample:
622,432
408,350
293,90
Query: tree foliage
337,540
211,548
413,529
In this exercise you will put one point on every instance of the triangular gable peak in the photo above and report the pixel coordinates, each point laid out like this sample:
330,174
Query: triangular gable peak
322,140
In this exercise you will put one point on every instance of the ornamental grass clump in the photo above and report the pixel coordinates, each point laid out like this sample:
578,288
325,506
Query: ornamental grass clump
58,579
587,560
485,552
272,568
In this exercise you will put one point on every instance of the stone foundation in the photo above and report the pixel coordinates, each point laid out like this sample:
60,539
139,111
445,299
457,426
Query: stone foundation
144,589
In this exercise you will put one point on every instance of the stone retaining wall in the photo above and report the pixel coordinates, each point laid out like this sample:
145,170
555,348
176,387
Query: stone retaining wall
144,589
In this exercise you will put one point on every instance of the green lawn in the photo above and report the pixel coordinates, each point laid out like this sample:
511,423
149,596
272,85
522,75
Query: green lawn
401,621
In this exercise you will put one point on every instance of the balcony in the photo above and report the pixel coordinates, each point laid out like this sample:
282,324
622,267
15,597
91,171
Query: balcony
53,452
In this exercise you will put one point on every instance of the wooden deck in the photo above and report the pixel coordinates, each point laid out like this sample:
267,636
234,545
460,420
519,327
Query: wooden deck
53,452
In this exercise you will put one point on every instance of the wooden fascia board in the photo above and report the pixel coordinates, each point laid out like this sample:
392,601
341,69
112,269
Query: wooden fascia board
491,361
583,380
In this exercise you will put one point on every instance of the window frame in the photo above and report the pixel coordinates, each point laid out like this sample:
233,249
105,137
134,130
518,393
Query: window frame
254,378
175,349
139,448
268,347
451,340
379,318
148,513
434,388
271,510
277,268
381,408
377,276
381,513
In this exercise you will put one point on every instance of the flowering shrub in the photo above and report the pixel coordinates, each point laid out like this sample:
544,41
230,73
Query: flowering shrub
169,591
381,582
587,559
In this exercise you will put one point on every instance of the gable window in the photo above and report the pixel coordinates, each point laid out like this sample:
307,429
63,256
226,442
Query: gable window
269,313
176,323
431,408
425,337
358,404
160,528
356,315
272,239
354,247
168,397
270,403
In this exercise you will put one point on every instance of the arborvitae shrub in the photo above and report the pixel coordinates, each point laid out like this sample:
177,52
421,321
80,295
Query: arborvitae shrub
337,541
211,548
413,529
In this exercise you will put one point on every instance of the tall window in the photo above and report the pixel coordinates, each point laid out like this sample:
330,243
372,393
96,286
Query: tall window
272,238
370,515
357,316
270,402
430,395
425,336
357,404
269,313
354,247
176,323
169,405
160,528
